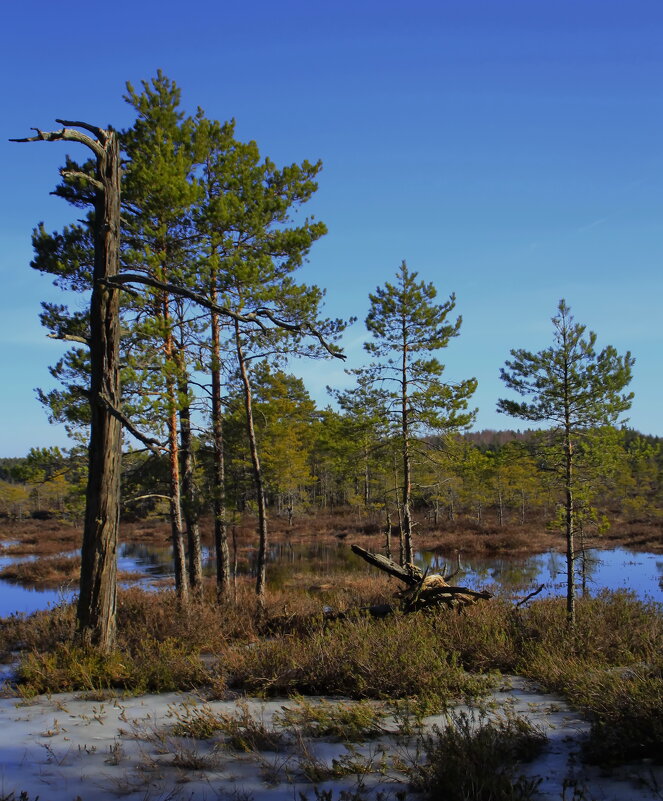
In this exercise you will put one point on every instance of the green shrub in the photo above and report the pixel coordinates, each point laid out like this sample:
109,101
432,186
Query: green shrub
156,667
397,657
474,758
349,722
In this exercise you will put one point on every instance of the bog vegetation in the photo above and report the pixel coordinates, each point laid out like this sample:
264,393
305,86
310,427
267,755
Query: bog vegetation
219,429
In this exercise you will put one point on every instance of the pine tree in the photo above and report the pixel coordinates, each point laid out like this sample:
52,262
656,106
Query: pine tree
578,391
251,249
408,327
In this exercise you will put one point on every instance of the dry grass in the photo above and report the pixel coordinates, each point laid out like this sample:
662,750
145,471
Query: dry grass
474,758
48,572
608,666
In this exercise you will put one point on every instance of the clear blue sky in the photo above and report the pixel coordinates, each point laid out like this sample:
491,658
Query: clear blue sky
511,152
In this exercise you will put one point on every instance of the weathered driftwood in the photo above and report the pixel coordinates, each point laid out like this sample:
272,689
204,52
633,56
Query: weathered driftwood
409,574
422,591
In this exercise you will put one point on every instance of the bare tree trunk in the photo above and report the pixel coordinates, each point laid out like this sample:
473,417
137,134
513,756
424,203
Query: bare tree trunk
387,534
257,472
97,600
177,529
190,500
522,507
570,523
219,488
407,479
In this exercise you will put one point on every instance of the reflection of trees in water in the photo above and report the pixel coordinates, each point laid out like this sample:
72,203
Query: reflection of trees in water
150,559
509,574
587,566
506,572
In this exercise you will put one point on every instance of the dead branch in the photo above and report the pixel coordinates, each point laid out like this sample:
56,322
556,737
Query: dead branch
152,444
409,574
71,135
145,497
70,338
255,317
531,595
83,176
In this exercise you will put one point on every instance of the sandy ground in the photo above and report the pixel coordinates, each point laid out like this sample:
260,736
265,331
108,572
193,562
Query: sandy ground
62,748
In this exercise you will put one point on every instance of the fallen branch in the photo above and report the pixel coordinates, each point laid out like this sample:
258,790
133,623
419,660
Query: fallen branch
531,595
422,591
409,574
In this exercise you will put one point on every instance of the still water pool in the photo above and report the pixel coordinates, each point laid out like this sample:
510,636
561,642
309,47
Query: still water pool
506,576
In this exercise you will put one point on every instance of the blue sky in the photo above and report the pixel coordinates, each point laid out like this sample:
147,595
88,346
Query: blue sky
509,151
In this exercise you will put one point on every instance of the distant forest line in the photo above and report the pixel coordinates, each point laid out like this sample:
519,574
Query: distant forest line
313,461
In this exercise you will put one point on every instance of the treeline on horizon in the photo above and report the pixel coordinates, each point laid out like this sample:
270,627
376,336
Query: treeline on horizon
315,461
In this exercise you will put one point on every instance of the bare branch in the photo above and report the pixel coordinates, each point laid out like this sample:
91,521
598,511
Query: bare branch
70,338
145,497
83,176
153,444
67,135
531,595
119,281
100,133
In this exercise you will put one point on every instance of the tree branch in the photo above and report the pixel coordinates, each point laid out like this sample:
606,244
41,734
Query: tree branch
70,338
253,317
531,595
68,135
84,176
152,444
100,133
145,497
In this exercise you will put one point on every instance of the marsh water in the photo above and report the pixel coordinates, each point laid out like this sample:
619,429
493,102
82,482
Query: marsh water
315,564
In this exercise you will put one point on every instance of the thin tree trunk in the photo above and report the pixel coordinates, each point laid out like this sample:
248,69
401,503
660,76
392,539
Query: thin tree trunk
219,488
405,432
568,481
189,498
399,513
387,533
257,472
522,507
570,522
177,529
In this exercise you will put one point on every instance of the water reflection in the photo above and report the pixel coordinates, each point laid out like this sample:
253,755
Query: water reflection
507,576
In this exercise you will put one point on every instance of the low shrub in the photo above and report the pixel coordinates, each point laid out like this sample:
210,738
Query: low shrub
474,758
361,658
155,667
243,731
349,722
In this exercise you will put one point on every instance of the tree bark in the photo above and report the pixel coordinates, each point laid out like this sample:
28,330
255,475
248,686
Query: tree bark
177,529
190,499
95,615
257,472
219,489
405,432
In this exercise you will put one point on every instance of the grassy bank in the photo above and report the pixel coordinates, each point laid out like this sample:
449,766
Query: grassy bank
610,666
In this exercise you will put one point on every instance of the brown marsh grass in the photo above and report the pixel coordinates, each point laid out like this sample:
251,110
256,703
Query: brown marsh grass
609,665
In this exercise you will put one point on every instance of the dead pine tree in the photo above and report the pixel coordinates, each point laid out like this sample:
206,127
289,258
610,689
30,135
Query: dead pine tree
98,586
